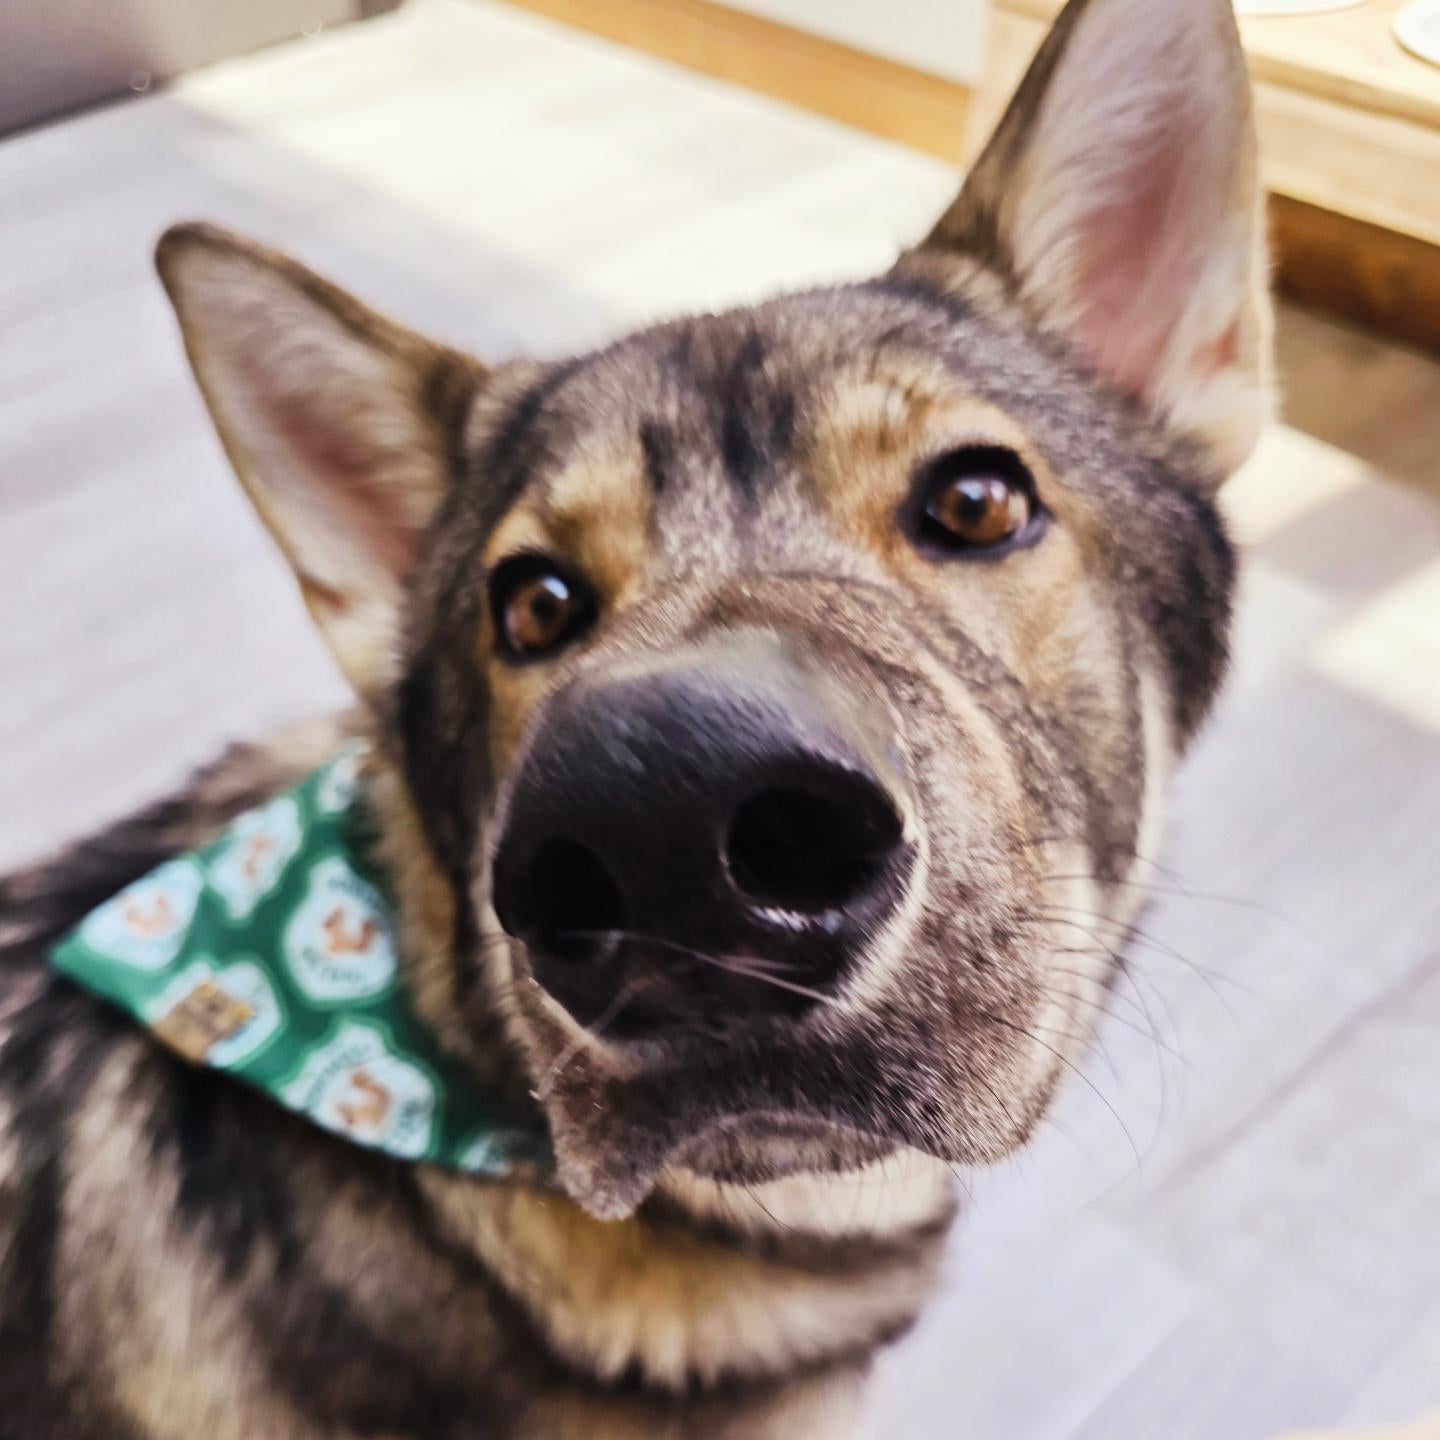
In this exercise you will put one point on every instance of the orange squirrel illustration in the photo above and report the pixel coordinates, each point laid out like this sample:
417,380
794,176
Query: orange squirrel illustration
376,1106
342,941
256,850
154,921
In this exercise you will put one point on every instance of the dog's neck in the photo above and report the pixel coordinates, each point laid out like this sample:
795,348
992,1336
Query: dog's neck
710,1280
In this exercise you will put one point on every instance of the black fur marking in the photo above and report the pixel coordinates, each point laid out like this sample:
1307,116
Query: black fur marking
342,1370
36,1403
781,438
821,1255
915,292
54,1041
220,1138
509,461
30,1212
337,1372
441,708
657,445
859,1256
53,1047
447,392
756,418
1190,610
742,450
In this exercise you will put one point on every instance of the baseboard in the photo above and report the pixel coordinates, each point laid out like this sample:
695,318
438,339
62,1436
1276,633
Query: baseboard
921,110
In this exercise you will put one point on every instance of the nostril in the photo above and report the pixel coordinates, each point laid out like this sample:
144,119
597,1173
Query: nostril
565,899
812,850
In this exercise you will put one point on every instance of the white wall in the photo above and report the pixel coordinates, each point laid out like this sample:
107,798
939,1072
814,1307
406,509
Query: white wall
945,37
57,54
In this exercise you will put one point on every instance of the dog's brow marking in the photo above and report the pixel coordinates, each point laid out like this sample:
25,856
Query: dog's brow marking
508,460
745,451
449,391
782,422
657,445
737,443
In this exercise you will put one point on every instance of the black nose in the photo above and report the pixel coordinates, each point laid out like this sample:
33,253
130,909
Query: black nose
706,839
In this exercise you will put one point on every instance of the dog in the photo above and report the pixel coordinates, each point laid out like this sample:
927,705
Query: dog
762,717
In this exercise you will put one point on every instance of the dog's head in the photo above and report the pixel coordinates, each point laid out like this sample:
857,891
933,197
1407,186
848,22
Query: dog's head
784,695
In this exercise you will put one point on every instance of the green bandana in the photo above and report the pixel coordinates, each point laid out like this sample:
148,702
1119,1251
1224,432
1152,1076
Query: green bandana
271,955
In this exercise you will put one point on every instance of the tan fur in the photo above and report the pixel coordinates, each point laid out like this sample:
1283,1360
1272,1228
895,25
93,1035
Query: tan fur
877,431
889,1197
595,511
617,1294
426,905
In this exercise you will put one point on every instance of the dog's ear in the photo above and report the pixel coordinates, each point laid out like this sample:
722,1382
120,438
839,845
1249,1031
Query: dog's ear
1120,195
339,423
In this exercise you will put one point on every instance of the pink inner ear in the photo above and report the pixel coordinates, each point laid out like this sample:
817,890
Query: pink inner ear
339,475
1151,140
1222,352
1139,260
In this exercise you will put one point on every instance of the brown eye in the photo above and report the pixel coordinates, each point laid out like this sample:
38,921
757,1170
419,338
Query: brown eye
537,607
979,499
980,509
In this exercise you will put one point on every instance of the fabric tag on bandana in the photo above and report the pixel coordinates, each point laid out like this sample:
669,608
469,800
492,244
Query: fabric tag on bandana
271,955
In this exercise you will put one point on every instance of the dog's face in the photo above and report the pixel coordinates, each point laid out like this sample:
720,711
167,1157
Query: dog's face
786,695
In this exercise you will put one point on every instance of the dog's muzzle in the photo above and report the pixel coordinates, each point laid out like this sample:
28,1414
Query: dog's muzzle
702,839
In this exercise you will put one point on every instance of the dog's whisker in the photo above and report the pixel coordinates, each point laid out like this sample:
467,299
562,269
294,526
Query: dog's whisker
1110,992
1131,939
1127,964
1074,1069
544,1088
748,966
740,965
642,938
1184,892
1145,1031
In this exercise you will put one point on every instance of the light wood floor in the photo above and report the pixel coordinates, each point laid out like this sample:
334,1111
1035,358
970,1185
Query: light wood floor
1226,1234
